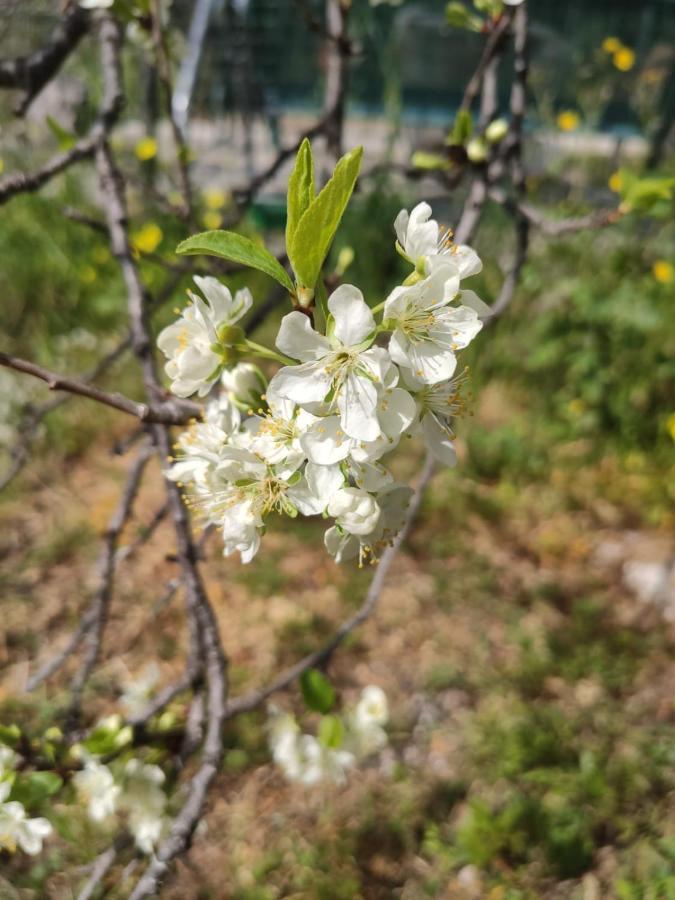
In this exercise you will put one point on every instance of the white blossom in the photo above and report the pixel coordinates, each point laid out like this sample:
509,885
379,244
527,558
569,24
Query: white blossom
355,510
438,406
323,764
199,446
426,331
192,343
16,829
245,384
8,760
144,801
342,370
393,502
96,786
137,691
367,721
427,245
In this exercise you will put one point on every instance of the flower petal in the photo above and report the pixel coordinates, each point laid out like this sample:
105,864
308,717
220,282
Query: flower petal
306,383
354,321
325,442
357,403
299,340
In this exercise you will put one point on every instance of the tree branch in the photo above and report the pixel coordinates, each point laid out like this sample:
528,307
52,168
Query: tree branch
168,412
31,73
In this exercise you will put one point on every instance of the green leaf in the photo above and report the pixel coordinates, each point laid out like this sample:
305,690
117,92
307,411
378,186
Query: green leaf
463,127
421,159
646,195
236,248
317,691
34,788
457,15
300,189
65,138
319,222
331,731
9,735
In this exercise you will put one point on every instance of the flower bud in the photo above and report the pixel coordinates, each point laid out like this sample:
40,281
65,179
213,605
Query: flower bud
231,335
476,150
245,382
496,131
355,510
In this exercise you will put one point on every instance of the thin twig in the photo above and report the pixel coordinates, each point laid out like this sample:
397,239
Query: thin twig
168,412
92,622
31,73
107,565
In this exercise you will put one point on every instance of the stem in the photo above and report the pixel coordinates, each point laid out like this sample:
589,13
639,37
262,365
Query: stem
268,353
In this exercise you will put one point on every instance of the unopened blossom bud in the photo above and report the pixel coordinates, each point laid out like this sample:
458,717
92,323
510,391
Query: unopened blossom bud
355,510
231,335
245,382
496,131
476,150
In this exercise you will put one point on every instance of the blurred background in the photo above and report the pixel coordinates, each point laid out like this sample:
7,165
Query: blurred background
525,639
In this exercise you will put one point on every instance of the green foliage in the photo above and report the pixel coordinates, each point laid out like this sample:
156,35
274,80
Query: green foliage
462,128
33,788
236,248
317,225
331,731
591,329
650,195
66,139
317,691
300,189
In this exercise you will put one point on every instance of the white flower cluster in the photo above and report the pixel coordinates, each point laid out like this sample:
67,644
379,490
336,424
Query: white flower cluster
312,440
16,828
310,760
138,795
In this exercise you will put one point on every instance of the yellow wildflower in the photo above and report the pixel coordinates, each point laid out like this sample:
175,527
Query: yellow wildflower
2,165
624,59
88,275
663,271
214,198
568,120
146,148
611,45
212,219
615,182
670,425
148,238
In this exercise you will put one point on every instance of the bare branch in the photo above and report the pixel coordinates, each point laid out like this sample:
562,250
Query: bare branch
22,182
93,621
513,152
163,63
31,73
556,227
107,564
494,45
168,412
